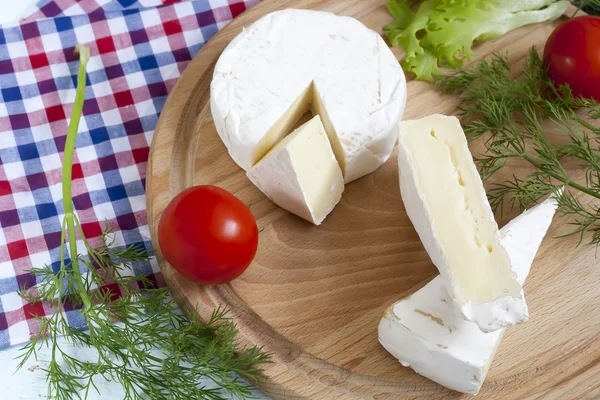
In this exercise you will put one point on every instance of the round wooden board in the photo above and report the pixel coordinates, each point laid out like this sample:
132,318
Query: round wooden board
314,295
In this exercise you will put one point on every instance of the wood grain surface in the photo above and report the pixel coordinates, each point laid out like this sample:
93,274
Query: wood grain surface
314,295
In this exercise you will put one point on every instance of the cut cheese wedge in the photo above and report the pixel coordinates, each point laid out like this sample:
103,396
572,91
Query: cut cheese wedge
445,200
427,332
300,174
291,61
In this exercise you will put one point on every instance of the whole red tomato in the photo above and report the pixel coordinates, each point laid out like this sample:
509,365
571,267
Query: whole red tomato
572,54
208,235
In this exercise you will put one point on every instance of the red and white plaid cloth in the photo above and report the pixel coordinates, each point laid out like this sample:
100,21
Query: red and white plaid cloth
138,50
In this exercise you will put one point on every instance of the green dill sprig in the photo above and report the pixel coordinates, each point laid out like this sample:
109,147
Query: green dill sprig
515,117
594,5
141,339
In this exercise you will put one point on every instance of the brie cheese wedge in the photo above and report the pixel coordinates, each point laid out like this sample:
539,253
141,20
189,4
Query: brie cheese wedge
292,61
300,174
427,332
445,200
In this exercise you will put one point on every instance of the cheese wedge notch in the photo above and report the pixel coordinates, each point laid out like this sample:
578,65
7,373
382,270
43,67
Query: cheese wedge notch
308,100
445,200
427,332
300,174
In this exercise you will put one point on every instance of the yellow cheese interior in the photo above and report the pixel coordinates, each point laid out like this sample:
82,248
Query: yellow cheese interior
318,172
309,99
284,125
453,193
319,109
316,169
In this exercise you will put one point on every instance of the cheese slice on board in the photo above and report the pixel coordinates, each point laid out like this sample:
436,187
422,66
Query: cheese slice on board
300,174
427,332
291,61
445,200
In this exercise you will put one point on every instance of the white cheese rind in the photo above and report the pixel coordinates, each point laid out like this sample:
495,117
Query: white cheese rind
357,84
300,174
427,332
446,202
523,235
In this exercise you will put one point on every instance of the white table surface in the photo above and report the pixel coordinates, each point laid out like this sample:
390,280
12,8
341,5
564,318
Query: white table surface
13,10
30,383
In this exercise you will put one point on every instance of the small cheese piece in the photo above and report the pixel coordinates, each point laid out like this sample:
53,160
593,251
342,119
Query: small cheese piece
291,61
300,174
444,198
426,331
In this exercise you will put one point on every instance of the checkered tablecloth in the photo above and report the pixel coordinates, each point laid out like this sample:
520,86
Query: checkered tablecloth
139,49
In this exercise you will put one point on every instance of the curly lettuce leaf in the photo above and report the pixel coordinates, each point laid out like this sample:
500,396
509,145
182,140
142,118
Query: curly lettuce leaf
424,66
408,24
404,32
442,32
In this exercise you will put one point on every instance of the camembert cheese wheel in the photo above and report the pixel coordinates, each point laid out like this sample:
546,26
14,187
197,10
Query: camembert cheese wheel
293,61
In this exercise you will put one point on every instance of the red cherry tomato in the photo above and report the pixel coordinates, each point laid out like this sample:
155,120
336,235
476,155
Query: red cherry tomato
208,235
572,54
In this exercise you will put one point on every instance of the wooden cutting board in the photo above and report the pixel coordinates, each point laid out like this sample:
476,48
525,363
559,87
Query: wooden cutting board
314,295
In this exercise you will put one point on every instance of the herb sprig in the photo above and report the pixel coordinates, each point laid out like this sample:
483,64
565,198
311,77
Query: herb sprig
586,5
142,340
515,117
